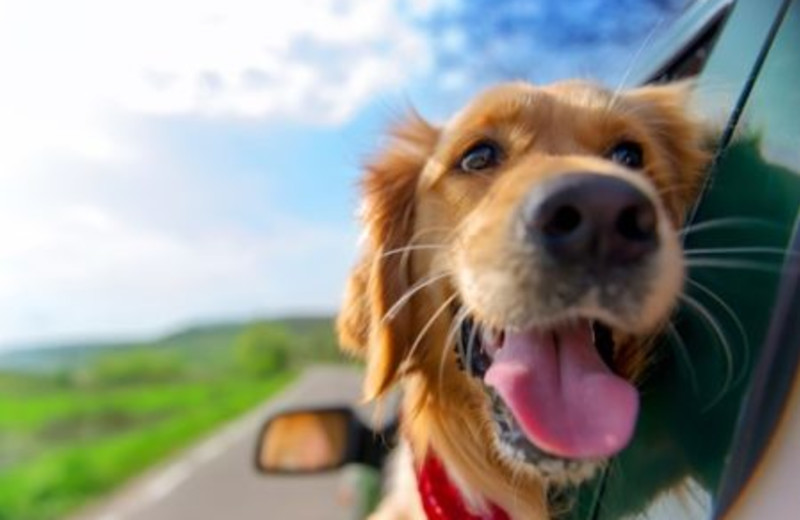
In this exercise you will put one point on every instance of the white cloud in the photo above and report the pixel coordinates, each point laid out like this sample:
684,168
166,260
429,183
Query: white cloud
72,69
89,269
95,238
317,60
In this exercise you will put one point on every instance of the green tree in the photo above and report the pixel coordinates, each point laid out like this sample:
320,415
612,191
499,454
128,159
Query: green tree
263,349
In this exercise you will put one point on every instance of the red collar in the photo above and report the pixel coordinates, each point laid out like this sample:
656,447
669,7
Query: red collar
442,500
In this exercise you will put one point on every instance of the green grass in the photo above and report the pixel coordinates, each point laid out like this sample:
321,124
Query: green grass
152,423
78,421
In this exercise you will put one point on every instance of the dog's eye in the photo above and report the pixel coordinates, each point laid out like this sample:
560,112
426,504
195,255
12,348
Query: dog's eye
628,154
480,156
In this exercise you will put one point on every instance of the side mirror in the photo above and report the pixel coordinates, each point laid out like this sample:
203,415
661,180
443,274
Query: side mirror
315,440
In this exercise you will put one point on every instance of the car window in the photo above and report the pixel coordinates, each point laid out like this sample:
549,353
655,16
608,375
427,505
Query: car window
773,134
685,45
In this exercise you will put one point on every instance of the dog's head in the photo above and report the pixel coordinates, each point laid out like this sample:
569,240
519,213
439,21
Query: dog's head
517,261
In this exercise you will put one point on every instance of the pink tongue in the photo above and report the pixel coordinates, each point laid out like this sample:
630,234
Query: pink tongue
565,399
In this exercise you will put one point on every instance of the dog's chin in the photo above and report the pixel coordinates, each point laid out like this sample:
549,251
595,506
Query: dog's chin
557,405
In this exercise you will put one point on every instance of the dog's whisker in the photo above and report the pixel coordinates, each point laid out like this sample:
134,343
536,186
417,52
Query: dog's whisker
715,263
424,330
737,322
728,221
428,230
626,75
739,250
419,247
706,315
441,244
425,282
455,326
407,253
683,352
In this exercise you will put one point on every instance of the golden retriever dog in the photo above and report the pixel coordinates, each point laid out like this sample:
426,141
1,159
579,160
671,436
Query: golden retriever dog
517,263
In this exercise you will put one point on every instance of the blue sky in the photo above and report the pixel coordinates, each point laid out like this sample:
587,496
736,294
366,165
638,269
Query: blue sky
167,162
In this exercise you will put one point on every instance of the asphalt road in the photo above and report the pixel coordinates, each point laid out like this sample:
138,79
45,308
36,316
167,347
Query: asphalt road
216,479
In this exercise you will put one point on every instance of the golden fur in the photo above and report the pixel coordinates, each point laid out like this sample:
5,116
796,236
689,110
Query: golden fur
434,235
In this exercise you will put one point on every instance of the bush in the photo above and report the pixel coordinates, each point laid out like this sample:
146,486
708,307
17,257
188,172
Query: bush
263,349
140,366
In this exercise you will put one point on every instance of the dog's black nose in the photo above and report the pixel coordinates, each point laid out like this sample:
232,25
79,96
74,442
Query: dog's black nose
594,218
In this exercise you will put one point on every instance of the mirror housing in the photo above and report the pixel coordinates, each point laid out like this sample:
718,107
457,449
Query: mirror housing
314,440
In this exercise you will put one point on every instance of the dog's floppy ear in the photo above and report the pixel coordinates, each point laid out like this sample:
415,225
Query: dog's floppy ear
666,109
379,280
685,141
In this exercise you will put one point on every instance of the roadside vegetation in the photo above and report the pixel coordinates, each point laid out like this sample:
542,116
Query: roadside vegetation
76,422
